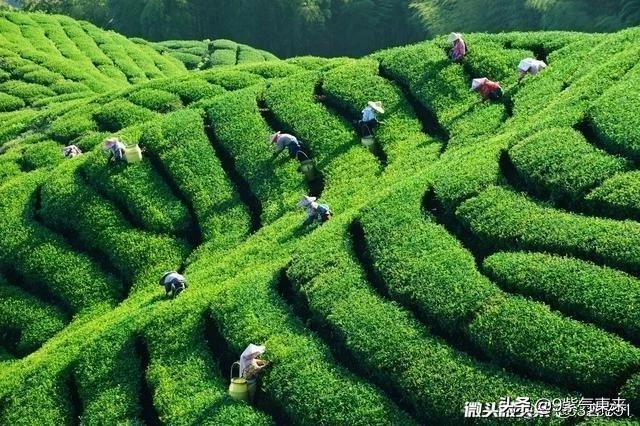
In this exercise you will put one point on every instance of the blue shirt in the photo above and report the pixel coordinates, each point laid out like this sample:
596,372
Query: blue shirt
368,114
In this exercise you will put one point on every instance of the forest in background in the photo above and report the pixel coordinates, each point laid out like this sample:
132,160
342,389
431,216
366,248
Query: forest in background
339,27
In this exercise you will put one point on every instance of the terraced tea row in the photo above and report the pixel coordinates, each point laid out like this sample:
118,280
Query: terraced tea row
404,306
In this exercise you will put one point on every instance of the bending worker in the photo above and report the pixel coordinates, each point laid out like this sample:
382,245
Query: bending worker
173,283
116,149
285,140
488,89
459,47
71,151
369,122
530,66
315,211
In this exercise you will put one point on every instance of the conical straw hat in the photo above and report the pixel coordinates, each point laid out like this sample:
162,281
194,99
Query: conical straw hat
453,37
477,82
377,106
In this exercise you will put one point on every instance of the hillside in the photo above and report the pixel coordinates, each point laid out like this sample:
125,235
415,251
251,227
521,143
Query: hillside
482,250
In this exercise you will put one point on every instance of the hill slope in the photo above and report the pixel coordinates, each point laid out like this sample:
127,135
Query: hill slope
482,250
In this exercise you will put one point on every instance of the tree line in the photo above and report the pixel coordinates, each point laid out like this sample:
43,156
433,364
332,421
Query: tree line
338,27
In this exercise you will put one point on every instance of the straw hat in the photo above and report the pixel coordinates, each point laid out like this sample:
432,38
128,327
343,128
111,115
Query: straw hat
477,82
274,137
108,143
453,37
306,200
377,106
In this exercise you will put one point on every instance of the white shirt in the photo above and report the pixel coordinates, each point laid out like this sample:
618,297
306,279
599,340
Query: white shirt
368,114
173,276
536,67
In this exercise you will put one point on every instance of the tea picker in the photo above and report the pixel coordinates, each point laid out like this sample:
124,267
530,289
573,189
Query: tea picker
174,283
71,151
245,386
369,122
459,47
488,89
293,145
530,66
315,211
121,153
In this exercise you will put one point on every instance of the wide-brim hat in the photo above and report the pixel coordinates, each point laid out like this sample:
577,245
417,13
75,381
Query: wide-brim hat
453,37
377,106
306,200
108,143
274,137
477,82
525,64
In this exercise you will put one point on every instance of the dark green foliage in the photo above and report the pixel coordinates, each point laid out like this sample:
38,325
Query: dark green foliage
41,154
303,380
615,119
238,126
530,336
10,103
604,296
180,142
504,219
119,114
156,100
393,348
31,320
141,191
618,196
562,164
69,205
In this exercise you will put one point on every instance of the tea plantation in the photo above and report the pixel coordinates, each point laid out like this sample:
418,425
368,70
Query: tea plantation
482,250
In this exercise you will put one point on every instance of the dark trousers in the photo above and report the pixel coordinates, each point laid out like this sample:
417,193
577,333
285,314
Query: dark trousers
367,128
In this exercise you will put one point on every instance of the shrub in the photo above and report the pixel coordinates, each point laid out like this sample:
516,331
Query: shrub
618,196
394,349
350,87
10,103
120,113
35,253
562,164
580,289
303,380
502,219
33,321
109,379
180,142
140,191
223,57
237,125
71,206
615,122
41,154
29,92
231,79
73,124
189,60
440,280
181,364
156,100
530,336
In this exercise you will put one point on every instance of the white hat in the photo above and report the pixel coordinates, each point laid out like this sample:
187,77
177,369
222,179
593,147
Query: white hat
274,137
306,200
453,37
525,64
477,82
377,106
108,143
